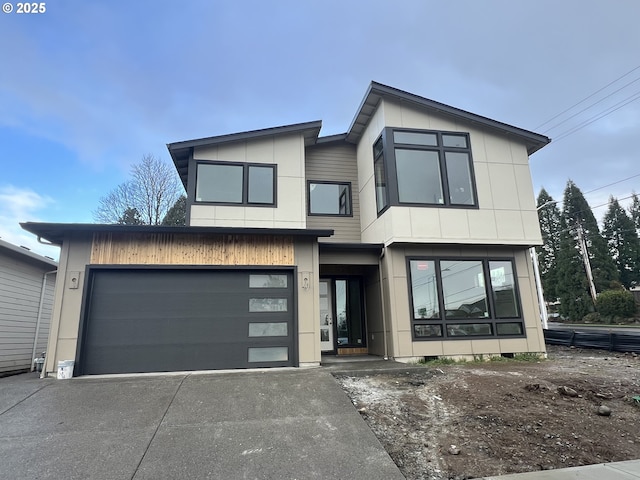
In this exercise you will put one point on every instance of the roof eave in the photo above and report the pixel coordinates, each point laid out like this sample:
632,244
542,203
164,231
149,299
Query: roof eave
26,254
378,91
181,151
56,232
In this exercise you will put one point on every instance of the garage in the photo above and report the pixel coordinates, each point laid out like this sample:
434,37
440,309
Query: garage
181,319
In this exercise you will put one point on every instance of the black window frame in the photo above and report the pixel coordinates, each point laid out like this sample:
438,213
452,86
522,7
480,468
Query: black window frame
245,184
442,321
387,155
329,182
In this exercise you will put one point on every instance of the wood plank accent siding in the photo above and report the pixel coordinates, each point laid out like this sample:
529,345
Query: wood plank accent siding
353,351
189,249
337,163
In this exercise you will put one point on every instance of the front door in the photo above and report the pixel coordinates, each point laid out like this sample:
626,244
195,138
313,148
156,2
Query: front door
342,324
326,316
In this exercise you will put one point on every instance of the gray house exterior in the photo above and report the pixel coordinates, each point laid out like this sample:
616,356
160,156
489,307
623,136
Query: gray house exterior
27,283
405,237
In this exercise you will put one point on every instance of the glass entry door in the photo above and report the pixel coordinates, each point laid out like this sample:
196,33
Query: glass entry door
341,314
326,316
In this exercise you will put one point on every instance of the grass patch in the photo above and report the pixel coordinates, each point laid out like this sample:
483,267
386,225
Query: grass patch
438,361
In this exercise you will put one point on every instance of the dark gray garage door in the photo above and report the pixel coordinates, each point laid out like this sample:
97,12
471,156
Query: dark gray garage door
158,320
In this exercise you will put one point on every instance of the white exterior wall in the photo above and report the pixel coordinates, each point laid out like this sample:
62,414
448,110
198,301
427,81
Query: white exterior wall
507,211
287,152
20,292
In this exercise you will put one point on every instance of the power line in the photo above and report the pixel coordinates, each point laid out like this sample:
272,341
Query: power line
614,183
588,97
592,105
596,117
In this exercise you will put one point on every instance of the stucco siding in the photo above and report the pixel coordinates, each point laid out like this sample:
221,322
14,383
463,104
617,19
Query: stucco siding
335,163
20,294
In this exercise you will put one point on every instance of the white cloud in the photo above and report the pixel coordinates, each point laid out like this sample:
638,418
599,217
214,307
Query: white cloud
21,205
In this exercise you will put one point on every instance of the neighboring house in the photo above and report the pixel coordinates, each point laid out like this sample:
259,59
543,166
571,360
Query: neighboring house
27,283
405,237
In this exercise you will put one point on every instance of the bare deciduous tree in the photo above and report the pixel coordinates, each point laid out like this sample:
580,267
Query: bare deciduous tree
152,191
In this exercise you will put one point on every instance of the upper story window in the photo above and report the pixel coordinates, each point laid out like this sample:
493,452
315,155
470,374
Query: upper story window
329,198
422,168
236,183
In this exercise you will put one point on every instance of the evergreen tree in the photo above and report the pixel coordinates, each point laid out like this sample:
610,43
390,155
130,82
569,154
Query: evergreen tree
634,210
177,214
577,213
550,219
622,240
572,283
131,216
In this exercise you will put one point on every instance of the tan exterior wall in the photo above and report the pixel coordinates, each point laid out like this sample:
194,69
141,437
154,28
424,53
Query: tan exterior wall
65,320
507,211
396,284
308,302
287,152
335,163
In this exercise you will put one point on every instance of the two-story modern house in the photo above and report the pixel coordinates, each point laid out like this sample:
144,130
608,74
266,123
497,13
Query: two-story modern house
405,237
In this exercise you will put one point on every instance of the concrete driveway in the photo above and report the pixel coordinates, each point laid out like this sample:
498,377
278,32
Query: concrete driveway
293,424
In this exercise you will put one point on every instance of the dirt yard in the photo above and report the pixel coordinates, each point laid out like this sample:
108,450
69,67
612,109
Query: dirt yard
471,420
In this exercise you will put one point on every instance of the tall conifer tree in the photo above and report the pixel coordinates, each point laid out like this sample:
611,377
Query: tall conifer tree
634,210
550,219
622,240
572,284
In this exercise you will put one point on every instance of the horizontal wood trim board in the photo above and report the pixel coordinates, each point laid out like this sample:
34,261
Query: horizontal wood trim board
186,249
353,351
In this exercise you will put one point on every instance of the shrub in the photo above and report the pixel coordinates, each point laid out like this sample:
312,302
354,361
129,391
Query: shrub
616,303
593,317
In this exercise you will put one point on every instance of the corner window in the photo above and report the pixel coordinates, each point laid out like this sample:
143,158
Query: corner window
379,171
423,168
329,198
462,298
236,183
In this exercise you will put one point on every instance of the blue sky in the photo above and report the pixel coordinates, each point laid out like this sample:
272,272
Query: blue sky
89,87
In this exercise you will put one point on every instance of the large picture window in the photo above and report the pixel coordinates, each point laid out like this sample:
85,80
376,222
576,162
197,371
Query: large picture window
462,298
236,183
422,167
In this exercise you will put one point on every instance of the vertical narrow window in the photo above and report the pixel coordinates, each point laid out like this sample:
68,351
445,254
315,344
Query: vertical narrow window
380,176
260,187
503,289
459,179
424,290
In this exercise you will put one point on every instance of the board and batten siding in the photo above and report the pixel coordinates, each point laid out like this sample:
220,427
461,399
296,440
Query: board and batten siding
338,163
20,292
189,249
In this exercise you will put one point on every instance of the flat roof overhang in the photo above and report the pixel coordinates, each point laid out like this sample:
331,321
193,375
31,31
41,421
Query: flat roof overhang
56,232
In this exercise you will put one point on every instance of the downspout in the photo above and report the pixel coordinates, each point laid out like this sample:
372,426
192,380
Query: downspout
39,318
541,303
384,316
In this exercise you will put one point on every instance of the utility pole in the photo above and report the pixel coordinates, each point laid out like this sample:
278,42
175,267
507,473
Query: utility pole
587,262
